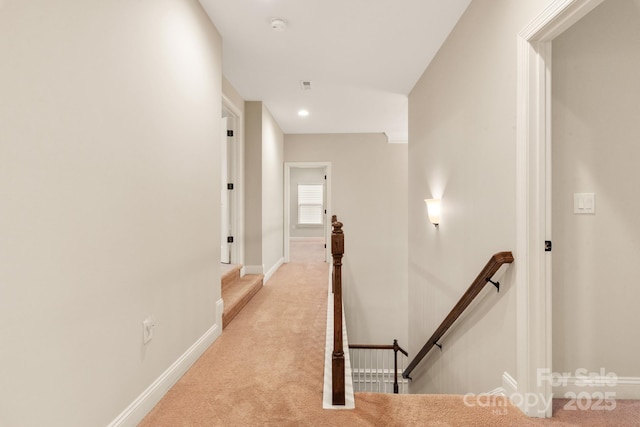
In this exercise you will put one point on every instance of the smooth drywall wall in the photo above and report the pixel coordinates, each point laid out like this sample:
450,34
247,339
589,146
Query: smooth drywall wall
109,171
462,133
369,195
272,192
596,130
232,95
303,176
264,189
253,184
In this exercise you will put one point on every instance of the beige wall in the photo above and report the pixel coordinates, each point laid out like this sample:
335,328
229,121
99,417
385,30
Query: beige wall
264,188
272,192
232,94
596,130
462,134
109,167
253,183
369,196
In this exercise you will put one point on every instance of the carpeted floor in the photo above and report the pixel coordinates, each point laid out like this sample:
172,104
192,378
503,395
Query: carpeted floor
267,370
307,250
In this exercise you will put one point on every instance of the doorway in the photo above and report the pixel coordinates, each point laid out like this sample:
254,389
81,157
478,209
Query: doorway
231,185
307,209
533,201
594,156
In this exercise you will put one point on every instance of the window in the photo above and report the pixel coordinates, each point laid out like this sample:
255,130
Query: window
310,204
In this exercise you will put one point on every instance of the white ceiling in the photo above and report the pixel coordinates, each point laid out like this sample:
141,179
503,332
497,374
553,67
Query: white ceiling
363,57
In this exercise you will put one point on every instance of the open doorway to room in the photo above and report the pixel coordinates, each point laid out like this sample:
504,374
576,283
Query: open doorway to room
534,191
594,168
307,212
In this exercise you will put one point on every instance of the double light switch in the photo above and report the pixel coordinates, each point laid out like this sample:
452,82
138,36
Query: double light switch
584,203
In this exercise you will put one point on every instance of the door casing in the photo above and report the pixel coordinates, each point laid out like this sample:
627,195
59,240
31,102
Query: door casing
287,203
533,202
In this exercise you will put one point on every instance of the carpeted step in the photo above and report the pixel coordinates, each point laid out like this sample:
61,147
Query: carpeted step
237,294
230,273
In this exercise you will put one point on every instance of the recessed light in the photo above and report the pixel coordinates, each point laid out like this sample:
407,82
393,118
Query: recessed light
303,113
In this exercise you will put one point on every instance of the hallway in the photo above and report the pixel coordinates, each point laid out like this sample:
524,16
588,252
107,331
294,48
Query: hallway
267,369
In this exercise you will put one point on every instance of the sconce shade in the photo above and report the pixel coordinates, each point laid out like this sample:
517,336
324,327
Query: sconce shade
433,209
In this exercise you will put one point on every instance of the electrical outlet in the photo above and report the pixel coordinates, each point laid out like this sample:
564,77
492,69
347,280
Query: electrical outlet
147,329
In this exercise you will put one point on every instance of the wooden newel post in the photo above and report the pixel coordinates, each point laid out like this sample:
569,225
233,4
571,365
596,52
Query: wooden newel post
334,220
337,362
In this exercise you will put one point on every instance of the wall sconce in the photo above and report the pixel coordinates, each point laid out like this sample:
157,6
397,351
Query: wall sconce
433,209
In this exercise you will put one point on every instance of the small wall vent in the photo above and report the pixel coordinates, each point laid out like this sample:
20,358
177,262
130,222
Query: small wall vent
305,84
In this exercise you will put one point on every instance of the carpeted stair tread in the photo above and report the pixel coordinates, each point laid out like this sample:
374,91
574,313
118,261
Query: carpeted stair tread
237,294
231,274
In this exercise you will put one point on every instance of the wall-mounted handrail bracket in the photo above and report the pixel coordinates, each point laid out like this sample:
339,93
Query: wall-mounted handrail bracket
496,284
438,345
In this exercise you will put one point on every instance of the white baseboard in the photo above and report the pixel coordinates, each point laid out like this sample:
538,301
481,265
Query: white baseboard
508,388
273,269
572,387
144,403
621,387
219,312
509,384
253,269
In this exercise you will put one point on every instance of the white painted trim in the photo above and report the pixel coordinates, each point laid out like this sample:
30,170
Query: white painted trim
533,338
237,248
144,403
253,269
509,384
621,387
508,388
287,201
559,16
327,391
219,311
533,195
273,269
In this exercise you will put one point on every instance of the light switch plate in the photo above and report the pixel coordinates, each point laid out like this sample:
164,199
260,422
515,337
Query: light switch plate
584,203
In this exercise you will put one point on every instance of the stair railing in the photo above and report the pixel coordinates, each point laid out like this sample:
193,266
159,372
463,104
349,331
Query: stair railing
371,368
489,270
337,357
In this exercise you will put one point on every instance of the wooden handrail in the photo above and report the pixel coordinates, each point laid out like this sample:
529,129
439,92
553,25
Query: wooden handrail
489,270
378,347
337,357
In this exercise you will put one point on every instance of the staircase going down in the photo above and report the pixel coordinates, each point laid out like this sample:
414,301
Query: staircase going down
237,291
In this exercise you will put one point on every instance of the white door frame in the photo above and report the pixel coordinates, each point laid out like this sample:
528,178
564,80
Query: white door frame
237,177
533,201
225,196
287,201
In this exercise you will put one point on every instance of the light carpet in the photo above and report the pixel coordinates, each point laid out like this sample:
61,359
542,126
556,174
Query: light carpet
267,370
